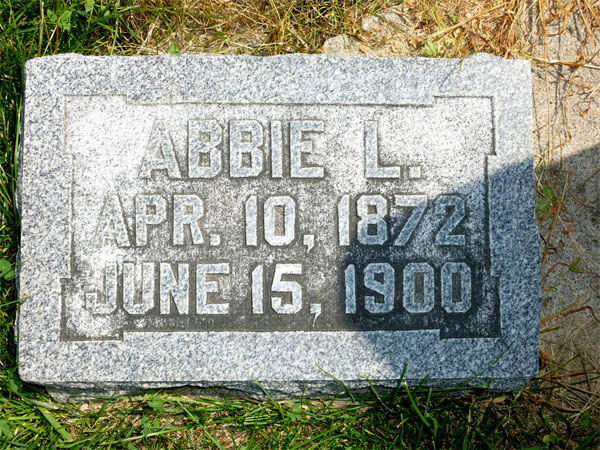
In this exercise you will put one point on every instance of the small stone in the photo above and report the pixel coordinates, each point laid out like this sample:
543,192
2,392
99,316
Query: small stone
371,24
342,45
387,21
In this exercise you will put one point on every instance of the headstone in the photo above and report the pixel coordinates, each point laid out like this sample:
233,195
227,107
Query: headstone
297,221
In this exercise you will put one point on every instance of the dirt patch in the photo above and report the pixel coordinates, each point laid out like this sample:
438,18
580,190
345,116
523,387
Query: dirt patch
567,143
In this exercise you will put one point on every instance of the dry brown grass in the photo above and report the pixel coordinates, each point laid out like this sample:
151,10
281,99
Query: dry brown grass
263,27
457,27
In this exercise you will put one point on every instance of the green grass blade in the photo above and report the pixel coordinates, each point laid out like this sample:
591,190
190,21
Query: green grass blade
57,426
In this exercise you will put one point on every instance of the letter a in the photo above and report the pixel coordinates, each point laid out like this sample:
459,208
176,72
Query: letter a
160,153
111,226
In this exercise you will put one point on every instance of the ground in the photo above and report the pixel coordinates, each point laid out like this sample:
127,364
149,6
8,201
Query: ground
561,39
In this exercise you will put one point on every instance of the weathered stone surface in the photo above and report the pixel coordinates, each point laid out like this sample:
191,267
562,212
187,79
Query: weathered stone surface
211,220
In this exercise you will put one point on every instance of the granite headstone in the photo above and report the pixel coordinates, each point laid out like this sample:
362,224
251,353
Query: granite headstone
301,220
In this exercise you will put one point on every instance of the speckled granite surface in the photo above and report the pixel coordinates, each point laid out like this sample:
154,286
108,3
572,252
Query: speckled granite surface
208,221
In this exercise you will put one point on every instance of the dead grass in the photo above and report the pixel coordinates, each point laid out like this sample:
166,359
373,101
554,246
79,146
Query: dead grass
264,27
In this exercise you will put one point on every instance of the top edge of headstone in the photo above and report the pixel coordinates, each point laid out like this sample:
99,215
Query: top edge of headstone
473,58
294,78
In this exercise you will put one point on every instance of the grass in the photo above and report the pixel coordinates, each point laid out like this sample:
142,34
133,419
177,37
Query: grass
557,409
166,420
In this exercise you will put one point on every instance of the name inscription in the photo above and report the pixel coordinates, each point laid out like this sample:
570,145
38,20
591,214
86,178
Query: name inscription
286,218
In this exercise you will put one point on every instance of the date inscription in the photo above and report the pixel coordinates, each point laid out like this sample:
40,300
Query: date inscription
325,222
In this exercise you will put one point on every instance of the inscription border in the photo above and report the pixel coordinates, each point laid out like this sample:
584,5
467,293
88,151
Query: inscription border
488,264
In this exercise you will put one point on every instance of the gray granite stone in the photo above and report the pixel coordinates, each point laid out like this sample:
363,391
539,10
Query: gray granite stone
212,221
